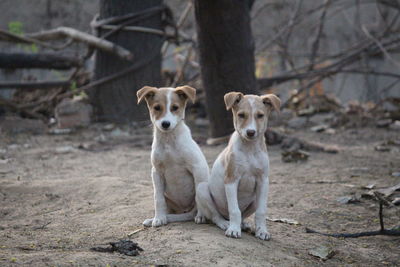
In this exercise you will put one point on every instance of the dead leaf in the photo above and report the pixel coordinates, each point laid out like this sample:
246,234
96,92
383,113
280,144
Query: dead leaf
294,156
323,252
389,190
370,186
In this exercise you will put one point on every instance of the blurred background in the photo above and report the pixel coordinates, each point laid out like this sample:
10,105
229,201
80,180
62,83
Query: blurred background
342,51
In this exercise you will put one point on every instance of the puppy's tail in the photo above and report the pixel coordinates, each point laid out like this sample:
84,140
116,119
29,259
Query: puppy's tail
182,217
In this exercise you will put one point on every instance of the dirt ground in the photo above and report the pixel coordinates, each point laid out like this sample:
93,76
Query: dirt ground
61,195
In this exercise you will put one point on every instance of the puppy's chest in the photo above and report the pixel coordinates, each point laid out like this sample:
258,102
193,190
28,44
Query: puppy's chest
166,156
252,165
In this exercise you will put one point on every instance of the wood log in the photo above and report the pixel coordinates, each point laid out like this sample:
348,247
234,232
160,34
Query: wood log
33,84
37,61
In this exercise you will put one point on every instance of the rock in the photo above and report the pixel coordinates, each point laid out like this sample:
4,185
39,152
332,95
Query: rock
108,127
297,122
383,123
347,200
64,149
72,113
396,174
119,133
57,131
382,148
396,201
330,131
319,128
395,126
17,125
101,138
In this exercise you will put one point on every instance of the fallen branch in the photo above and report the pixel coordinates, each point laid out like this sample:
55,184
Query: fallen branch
37,61
381,231
66,32
15,108
34,85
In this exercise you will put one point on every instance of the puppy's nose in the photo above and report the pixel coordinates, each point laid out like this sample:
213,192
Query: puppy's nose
250,133
165,124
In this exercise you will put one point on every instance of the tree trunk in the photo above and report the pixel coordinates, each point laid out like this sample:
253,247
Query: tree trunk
116,101
226,49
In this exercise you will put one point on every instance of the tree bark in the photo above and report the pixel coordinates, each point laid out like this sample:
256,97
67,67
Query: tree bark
37,61
116,101
226,49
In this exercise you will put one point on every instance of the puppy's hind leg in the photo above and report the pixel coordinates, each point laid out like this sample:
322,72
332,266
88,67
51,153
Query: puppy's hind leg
206,206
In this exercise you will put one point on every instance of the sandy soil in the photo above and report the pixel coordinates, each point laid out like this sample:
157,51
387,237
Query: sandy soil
57,203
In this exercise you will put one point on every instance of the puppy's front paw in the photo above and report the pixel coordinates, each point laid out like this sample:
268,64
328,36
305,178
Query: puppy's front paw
159,220
263,234
200,219
148,222
223,224
233,231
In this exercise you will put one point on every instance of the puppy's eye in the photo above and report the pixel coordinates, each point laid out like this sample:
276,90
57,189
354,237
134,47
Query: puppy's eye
174,108
241,115
157,107
259,116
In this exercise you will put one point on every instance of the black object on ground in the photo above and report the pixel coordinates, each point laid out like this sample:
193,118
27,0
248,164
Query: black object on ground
126,247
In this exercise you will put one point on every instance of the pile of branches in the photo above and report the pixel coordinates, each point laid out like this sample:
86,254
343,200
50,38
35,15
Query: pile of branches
40,102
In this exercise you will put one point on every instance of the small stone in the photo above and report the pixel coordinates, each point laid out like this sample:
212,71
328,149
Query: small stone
383,123
57,131
64,149
330,131
395,126
71,113
382,148
108,127
119,133
319,128
396,201
347,200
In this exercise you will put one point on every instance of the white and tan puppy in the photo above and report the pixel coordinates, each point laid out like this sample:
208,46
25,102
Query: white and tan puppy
238,185
178,165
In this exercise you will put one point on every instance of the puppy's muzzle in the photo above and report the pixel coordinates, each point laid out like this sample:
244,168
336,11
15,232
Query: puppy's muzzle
250,133
165,125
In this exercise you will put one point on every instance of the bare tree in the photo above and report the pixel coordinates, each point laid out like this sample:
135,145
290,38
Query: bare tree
115,101
226,49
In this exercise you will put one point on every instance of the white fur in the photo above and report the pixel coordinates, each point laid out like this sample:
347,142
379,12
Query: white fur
247,192
178,167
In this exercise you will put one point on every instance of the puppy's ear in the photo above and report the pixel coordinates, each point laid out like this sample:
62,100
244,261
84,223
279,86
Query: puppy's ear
186,92
272,101
231,99
145,92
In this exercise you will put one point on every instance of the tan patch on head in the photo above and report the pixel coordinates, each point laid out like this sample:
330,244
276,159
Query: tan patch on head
272,100
156,100
178,104
186,92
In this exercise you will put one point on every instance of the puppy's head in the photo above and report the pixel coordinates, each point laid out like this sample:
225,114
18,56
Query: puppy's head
250,112
166,105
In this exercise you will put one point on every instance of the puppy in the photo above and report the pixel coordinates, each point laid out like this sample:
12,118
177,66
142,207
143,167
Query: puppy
178,165
238,184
